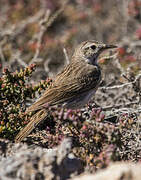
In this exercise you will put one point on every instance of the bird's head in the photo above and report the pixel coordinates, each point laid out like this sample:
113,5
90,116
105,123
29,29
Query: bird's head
90,50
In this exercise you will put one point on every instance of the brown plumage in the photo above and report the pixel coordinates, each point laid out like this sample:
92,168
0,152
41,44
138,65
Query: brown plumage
73,87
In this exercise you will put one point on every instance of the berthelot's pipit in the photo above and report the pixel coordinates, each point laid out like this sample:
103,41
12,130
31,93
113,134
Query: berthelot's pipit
73,87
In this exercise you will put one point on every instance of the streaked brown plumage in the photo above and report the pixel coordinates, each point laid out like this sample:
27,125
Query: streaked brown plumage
73,87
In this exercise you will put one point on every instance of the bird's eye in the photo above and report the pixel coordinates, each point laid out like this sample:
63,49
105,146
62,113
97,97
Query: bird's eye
93,47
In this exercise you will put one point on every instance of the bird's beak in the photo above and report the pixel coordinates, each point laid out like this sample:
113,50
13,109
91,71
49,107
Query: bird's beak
105,46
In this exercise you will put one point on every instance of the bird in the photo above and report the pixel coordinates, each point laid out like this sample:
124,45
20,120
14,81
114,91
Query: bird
73,87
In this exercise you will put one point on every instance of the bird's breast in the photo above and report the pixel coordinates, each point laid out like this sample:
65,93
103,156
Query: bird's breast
90,80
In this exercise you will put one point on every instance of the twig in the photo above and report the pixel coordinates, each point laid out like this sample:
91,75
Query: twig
138,77
119,105
44,25
114,113
14,30
40,36
56,14
17,56
2,56
66,56
109,57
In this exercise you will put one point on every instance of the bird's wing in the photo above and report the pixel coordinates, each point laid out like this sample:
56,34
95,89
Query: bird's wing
74,80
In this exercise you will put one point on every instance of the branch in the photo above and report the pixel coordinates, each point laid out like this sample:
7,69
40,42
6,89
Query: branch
40,36
138,77
44,25
14,30
66,56
119,105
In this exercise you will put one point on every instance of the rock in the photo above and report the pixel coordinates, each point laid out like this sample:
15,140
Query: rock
41,163
116,171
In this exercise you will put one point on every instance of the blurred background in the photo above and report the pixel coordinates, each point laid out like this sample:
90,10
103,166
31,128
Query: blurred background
39,31
46,32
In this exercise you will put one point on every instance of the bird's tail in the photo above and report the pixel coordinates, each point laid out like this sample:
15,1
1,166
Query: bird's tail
35,120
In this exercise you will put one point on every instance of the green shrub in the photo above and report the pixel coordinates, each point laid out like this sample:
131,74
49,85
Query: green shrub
14,92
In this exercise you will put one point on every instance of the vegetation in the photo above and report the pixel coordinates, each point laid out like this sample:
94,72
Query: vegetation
37,32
